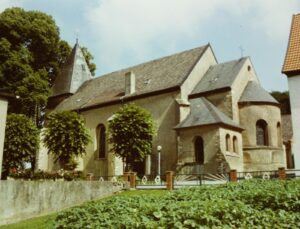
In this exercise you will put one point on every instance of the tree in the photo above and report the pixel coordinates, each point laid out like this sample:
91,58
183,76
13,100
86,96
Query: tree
31,54
66,137
89,58
131,131
284,99
21,143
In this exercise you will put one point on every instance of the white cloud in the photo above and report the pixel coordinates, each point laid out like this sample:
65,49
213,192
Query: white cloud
273,17
136,26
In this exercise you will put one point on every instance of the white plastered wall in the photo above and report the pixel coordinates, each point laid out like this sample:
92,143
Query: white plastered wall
3,113
294,86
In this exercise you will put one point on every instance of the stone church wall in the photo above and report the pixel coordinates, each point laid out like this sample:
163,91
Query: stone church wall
246,74
186,149
164,110
268,157
223,101
208,59
234,159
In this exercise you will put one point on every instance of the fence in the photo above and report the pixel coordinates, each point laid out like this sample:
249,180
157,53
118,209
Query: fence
171,180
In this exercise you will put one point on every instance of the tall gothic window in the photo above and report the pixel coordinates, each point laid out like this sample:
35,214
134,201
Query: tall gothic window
235,144
227,142
199,150
262,133
101,140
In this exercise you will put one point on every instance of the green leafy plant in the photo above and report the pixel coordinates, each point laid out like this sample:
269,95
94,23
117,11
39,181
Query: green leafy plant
28,174
131,131
66,137
21,143
248,204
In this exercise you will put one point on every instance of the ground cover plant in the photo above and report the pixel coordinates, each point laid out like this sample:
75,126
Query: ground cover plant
249,204
46,222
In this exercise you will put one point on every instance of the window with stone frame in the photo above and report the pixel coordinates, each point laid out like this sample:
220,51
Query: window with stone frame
262,138
101,141
227,142
235,144
279,137
199,150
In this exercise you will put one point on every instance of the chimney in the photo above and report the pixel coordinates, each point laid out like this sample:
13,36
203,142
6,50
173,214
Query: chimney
129,83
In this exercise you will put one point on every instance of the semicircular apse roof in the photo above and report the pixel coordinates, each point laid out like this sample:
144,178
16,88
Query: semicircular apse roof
255,93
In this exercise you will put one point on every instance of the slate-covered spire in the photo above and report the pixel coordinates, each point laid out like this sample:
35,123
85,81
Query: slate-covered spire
73,74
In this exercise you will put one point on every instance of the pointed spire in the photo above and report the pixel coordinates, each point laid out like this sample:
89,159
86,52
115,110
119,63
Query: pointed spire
73,74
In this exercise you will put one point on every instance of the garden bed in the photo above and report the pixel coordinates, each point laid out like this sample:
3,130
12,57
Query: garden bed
248,204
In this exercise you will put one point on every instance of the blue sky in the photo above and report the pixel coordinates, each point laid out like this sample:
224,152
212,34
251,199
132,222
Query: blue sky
122,33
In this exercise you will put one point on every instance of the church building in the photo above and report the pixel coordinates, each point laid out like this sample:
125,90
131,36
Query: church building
211,117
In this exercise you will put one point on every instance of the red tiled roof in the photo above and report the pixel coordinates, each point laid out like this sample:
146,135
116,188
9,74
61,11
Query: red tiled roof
292,58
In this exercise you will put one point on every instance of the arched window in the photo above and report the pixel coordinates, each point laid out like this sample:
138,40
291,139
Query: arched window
199,150
101,140
279,137
235,144
262,133
227,142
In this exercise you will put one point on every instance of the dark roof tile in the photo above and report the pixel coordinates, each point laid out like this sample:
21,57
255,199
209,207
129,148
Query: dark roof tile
205,113
255,93
156,75
219,76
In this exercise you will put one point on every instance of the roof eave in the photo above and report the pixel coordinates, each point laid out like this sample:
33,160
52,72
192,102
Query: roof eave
207,93
218,124
291,73
7,96
128,98
247,103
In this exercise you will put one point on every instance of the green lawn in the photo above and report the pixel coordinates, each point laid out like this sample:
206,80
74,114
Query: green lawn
46,221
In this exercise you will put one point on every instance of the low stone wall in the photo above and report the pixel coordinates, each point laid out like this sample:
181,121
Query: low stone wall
25,199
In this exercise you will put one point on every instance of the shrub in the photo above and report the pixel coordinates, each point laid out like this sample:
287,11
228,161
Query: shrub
21,143
66,137
131,132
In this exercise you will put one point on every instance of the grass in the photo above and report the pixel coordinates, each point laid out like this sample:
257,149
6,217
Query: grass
46,221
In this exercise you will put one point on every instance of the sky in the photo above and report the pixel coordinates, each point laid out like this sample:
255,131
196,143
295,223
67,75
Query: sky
123,33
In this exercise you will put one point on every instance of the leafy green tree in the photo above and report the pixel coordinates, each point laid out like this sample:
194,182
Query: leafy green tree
284,99
131,131
21,142
89,58
66,136
31,54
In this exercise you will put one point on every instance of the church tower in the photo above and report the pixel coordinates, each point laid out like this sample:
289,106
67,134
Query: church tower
291,68
73,74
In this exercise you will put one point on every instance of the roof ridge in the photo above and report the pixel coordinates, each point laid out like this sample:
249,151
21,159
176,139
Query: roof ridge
211,110
199,57
149,62
153,60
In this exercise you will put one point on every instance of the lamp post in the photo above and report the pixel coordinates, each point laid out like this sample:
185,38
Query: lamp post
158,159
